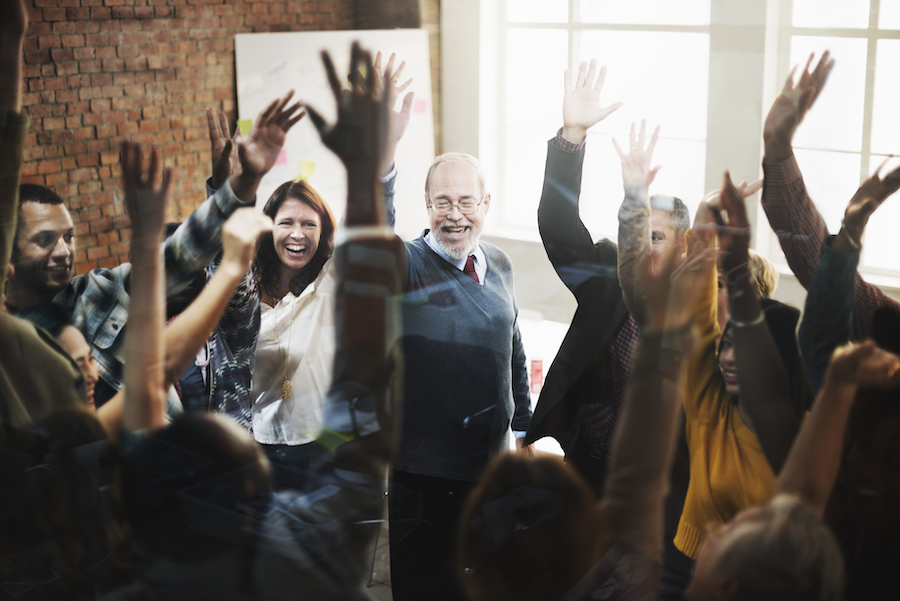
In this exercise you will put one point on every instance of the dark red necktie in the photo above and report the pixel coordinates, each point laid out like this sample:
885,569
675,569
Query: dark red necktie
469,269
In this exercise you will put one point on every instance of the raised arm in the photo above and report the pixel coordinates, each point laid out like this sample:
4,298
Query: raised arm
828,318
188,332
634,214
648,428
145,199
568,243
360,413
812,466
765,392
13,125
199,239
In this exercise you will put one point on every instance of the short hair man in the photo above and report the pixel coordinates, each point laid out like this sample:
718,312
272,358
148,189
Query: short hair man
44,249
464,377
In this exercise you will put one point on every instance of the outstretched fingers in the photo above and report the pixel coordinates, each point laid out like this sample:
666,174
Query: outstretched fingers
331,74
582,72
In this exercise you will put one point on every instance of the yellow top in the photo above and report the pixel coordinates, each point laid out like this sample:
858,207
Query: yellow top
729,470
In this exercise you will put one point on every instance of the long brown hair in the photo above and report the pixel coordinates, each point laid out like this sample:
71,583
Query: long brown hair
267,266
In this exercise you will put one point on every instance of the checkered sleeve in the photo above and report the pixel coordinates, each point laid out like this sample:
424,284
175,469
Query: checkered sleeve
801,231
560,142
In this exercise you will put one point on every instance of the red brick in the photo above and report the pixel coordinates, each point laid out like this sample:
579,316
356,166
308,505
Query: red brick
54,123
107,131
65,68
88,160
76,148
97,252
49,167
55,179
64,26
49,41
54,83
71,41
82,54
73,122
109,158
127,129
37,56
79,175
84,133
106,52
122,12
54,14
78,14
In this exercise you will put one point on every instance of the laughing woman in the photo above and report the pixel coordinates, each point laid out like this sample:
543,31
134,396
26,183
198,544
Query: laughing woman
296,279
295,352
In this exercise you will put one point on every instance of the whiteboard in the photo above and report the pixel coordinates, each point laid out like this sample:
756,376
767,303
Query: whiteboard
270,64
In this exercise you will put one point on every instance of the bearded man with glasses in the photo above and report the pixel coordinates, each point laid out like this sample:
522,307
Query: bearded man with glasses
465,382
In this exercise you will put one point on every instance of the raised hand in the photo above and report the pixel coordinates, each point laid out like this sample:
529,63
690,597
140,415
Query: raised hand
863,364
581,102
733,227
360,132
636,170
145,198
397,120
224,148
259,150
869,197
239,235
792,105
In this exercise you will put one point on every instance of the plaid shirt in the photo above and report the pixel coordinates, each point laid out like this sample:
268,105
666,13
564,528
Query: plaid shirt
98,300
802,230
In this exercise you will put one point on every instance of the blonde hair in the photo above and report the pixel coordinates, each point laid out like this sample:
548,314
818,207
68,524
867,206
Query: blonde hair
765,277
783,553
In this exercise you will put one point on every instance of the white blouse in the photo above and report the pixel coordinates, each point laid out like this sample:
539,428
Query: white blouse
297,338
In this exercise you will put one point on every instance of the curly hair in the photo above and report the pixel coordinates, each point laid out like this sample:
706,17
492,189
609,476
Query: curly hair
267,265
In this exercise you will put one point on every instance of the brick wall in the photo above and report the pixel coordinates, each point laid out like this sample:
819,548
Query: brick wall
96,70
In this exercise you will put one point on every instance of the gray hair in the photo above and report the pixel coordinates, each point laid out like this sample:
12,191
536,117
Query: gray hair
785,552
678,212
457,156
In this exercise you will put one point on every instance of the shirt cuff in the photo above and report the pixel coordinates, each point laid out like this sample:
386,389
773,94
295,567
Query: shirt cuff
519,434
390,174
560,142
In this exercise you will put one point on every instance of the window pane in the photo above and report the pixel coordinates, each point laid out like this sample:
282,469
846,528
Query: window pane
662,76
836,120
880,239
885,118
889,14
831,178
535,61
831,13
648,12
538,11
682,175
526,153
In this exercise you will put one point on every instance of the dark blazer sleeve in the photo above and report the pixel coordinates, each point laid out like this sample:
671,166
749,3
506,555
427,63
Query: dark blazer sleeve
567,241
589,271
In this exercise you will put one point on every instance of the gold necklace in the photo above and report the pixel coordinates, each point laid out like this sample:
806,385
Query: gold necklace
286,387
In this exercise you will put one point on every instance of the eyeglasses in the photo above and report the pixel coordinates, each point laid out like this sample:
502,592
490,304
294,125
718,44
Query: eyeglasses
466,207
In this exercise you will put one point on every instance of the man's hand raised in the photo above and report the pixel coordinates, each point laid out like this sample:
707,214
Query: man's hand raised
581,103
792,105
636,170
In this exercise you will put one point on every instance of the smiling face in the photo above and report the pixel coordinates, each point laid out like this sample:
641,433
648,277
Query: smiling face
298,229
45,249
454,181
73,342
728,364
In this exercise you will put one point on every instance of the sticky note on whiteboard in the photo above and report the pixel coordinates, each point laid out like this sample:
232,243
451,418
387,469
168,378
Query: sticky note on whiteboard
245,125
307,169
282,158
419,106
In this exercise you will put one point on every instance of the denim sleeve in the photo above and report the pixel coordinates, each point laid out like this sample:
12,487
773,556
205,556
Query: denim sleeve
828,315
